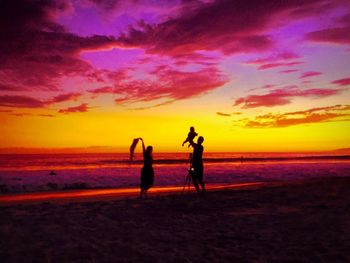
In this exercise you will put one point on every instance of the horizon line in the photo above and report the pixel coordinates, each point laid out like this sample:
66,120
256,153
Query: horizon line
115,149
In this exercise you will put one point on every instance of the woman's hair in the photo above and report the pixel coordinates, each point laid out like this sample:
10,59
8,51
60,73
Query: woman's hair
148,151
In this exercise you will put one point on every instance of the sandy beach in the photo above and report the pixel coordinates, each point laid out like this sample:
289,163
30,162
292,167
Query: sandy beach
299,221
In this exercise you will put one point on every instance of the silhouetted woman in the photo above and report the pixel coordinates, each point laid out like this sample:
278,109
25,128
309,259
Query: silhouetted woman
147,173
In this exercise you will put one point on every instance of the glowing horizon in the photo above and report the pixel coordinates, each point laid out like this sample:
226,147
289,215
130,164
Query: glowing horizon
250,76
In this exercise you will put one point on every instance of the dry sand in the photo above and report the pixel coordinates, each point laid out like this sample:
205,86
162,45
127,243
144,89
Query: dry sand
303,221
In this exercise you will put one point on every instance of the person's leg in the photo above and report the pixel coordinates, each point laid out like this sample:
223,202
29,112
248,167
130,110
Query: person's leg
195,181
200,179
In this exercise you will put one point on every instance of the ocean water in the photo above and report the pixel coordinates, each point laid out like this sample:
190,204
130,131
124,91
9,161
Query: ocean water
31,172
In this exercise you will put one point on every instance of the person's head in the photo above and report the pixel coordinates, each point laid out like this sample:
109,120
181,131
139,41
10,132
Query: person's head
149,150
192,129
200,140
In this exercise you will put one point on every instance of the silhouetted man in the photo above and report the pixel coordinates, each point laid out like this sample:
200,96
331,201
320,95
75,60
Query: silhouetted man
197,164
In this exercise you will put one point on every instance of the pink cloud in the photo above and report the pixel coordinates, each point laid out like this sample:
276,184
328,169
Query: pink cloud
81,108
274,58
163,82
274,65
309,74
342,82
282,96
288,71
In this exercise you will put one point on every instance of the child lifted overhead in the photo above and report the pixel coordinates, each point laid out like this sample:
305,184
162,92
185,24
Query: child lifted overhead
190,137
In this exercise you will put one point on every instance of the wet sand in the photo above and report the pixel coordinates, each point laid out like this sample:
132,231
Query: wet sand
86,195
300,221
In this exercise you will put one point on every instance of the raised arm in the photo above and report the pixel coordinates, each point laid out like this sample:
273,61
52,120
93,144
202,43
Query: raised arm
143,146
192,143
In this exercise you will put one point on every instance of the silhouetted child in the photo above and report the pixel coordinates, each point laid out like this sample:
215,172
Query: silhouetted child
190,137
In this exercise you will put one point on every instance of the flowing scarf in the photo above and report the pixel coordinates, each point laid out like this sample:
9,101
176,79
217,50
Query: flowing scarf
132,148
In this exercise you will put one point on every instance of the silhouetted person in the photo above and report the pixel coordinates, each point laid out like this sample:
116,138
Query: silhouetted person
147,173
197,164
190,137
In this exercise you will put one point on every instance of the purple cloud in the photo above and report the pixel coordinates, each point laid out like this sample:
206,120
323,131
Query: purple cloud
338,34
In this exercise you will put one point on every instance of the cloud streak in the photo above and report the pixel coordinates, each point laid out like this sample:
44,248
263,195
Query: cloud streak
80,108
18,101
309,74
342,82
282,96
310,116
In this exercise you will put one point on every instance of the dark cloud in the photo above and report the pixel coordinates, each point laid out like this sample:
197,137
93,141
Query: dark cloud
20,102
81,108
314,115
65,97
35,51
229,26
223,114
4,87
29,102
46,115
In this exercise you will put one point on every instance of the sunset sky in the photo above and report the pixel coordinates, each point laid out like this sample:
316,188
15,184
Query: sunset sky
248,75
